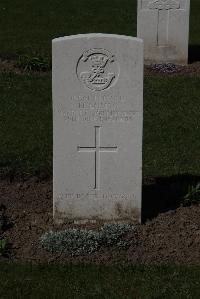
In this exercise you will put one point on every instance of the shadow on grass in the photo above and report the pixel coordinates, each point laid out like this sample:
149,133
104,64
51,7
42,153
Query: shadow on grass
161,194
194,53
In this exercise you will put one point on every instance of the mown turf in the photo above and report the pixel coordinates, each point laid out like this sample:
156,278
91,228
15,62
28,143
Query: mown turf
26,124
38,22
171,124
28,26
99,282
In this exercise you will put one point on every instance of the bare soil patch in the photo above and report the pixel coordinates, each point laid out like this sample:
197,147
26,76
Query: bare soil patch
171,237
9,66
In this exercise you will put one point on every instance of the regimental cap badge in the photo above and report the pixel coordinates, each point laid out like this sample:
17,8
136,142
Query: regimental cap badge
98,69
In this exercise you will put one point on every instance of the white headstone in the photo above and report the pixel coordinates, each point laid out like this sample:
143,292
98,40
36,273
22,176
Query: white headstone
97,127
164,27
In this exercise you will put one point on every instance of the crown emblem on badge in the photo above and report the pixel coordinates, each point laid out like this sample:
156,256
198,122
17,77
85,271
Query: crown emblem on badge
98,59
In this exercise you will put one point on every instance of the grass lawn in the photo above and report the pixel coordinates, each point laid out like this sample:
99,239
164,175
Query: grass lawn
26,123
99,282
28,26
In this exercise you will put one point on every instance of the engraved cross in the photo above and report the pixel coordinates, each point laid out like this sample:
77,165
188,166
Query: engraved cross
97,149
163,7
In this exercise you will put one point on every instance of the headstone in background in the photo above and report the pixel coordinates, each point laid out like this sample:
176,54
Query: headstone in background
97,127
164,27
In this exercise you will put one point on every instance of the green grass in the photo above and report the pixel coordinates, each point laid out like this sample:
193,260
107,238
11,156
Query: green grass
27,26
171,124
99,282
26,123
31,25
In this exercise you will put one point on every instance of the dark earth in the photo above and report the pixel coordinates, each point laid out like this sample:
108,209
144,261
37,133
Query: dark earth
172,237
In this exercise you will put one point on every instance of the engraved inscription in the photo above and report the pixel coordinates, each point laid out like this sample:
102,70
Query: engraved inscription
163,7
97,69
99,115
95,108
98,101
97,149
97,194
164,4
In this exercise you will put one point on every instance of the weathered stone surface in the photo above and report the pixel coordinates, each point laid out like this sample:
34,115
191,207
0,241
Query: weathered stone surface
164,27
97,127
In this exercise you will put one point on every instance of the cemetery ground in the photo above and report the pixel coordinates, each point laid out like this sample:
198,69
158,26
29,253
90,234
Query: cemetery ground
170,230
170,233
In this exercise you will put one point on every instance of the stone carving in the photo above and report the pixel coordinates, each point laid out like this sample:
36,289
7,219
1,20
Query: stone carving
97,149
164,4
97,69
97,128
